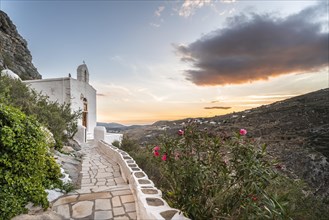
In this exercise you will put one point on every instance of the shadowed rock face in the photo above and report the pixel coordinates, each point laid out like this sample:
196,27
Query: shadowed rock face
14,54
295,130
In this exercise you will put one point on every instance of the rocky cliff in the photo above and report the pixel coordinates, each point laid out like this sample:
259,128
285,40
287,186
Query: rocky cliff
14,54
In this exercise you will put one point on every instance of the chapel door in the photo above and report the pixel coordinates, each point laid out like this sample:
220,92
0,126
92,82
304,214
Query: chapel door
85,112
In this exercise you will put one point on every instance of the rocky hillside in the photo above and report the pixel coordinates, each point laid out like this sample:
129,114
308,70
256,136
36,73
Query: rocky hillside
14,54
295,130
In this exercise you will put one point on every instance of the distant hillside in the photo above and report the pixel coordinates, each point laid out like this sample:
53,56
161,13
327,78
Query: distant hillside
296,131
110,125
14,54
116,127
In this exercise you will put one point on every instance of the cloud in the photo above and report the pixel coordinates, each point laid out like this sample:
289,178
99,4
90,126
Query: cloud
217,107
100,94
159,10
268,97
189,6
145,91
255,47
155,25
228,1
117,58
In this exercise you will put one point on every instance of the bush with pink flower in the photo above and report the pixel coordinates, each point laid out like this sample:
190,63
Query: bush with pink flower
209,176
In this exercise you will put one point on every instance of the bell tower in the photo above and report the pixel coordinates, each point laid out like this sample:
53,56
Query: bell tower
83,73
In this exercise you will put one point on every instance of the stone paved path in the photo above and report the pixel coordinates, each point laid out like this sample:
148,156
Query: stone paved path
103,193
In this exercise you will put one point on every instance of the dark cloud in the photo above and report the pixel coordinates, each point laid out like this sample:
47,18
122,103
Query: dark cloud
217,107
254,47
101,94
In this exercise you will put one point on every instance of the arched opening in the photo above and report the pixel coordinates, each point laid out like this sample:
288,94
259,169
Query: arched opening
85,112
85,76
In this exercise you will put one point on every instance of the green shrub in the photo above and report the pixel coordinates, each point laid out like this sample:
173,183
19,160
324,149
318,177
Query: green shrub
26,168
116,143
128,144
67,187
58,118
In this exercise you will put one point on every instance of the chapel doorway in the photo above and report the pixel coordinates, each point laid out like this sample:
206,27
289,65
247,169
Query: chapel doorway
85,112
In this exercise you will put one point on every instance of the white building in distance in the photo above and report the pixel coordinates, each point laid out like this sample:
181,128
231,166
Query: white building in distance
78,92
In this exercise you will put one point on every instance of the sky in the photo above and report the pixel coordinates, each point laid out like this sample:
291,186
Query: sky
167,60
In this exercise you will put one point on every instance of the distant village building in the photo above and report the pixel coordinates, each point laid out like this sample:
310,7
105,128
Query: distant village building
78,92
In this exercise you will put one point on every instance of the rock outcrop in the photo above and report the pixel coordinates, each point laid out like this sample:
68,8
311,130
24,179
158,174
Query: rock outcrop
14,54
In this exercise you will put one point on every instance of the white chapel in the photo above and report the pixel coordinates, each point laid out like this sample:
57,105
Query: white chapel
78,92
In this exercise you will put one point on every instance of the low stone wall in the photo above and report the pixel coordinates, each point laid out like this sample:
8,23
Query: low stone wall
149,202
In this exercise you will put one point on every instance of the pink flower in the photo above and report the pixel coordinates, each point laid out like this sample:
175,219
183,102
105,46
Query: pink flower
180,132
243,131
156,150
164,157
